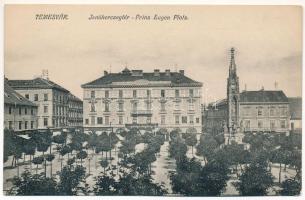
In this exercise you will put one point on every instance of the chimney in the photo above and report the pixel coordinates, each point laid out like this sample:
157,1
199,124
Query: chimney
105,73
156,72
275,85
167,72
181,72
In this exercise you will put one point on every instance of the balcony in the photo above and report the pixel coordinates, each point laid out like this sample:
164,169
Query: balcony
136,113
136,125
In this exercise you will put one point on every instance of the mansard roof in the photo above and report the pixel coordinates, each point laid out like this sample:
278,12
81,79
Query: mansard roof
126,78
37,83
263,96
14,98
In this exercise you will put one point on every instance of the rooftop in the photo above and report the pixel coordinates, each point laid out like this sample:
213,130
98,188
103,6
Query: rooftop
37,83
14,98
130,78
263,96
260,96
74,98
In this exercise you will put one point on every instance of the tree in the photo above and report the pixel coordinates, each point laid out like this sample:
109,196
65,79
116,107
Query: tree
207,147
8,144
174,134
213,178
29,184
104,163
29,149
130,185
92,140
185,179
50,158
278,157
70,179
63,151
191,140
290,187
105,185
296,161
234,152
60,139
81,155
177,149
38,161
193,180
114,139
71,161
255,181
43,142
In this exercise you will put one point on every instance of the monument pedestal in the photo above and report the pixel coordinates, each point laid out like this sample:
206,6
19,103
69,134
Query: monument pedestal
236,137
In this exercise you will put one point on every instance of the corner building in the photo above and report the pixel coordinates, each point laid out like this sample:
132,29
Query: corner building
51,99
132,98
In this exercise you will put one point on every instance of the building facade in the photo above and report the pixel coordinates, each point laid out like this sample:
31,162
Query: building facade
295,107
75,111
246,111
167,100
51,99
19,113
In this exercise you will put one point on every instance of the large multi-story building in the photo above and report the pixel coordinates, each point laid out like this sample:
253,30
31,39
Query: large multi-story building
247,111
51,99
75,111
167,100
19,113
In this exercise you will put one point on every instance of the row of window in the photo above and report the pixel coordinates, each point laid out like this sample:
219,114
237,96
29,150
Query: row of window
105,120
135,106
148,93
59,98
260,124
58,110
22,125
26,111
272,111
56,122
184,119
35,98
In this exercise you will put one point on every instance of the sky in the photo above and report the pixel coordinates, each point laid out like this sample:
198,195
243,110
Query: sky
267,39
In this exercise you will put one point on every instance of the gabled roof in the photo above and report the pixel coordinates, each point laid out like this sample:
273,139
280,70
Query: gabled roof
112,79
295,107
263,96
37,83
14,98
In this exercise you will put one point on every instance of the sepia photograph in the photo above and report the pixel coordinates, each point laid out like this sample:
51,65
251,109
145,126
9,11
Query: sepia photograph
152,100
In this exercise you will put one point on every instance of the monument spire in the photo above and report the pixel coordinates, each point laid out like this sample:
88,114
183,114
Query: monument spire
232,62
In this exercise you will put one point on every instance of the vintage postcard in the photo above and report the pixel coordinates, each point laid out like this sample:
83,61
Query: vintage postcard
152,100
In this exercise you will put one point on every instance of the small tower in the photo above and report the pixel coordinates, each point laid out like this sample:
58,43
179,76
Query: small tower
233,100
